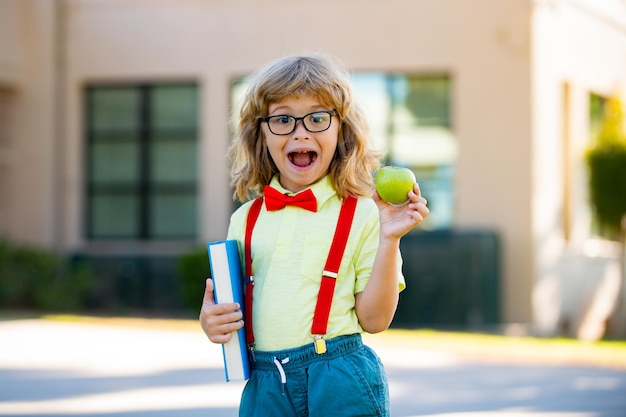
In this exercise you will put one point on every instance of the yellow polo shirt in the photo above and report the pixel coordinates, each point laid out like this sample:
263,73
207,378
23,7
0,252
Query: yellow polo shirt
289,251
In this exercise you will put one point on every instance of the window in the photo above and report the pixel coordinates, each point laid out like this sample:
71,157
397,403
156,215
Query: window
142,161
411,121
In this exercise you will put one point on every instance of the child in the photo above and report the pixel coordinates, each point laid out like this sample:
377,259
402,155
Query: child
301,134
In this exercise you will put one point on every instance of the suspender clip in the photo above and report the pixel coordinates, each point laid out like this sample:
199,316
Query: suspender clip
330,274
320,344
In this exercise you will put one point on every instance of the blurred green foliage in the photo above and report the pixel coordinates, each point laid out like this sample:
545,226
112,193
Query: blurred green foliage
607,171
37,279
192,272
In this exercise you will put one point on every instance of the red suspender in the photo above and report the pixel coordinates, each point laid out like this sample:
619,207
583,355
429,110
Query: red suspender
331,269
329,276
253,215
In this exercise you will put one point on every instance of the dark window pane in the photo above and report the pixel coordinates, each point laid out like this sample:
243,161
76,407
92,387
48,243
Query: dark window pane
115,108
174,107
427,99
114,161
142,161
173,160
114,216
173,215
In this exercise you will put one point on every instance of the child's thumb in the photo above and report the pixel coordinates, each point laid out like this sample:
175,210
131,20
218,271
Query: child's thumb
208,293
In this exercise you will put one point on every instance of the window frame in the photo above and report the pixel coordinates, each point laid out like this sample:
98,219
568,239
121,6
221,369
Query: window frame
146,187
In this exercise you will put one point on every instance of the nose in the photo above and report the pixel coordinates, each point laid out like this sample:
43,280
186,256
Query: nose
300,131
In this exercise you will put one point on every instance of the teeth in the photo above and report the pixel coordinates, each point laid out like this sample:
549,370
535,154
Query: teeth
302,158
291,154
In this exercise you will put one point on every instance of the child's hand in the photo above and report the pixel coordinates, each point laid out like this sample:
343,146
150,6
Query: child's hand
396,221
219,320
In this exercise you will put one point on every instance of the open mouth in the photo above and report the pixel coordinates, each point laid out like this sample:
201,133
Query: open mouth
302,159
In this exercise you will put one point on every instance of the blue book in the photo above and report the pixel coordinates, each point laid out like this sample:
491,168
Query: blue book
227,278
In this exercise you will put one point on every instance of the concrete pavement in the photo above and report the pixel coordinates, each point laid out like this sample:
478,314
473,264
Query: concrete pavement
51,368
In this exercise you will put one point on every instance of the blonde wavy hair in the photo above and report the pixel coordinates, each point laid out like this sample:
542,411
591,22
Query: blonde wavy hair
321,76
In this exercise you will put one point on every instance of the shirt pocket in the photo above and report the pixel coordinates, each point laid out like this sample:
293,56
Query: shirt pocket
314,250
314,255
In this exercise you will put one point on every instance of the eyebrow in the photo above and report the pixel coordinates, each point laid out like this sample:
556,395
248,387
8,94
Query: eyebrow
285,110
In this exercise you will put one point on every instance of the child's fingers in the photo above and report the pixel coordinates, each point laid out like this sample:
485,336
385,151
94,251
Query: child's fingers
224,333
420,208
415,195
416,189
418,205
220,338
209,301
209,298
218,321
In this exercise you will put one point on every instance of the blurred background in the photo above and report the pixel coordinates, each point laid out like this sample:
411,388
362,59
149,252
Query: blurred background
115,117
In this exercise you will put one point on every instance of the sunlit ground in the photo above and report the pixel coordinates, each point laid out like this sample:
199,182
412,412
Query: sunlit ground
78,366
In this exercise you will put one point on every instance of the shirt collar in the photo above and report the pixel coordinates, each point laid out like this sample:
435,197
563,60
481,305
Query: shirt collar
323,189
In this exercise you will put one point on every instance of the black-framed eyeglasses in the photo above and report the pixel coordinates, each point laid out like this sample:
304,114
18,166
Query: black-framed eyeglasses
315,122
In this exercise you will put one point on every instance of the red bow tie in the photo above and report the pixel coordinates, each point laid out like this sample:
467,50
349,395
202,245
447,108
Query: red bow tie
275,200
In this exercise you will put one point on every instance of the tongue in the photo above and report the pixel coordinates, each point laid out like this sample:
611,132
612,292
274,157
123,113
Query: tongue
302,159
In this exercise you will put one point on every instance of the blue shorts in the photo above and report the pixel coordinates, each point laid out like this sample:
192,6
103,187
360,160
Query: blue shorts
347,381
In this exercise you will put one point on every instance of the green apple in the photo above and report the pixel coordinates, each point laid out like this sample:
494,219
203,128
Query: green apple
394,183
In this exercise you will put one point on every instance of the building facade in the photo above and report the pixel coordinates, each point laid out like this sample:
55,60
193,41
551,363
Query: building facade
116,115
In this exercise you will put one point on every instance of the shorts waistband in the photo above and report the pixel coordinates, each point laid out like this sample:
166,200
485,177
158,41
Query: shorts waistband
305,355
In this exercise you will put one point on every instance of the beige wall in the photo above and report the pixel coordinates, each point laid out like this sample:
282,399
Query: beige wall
577,50
509,61
9,39
8,81
27,69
